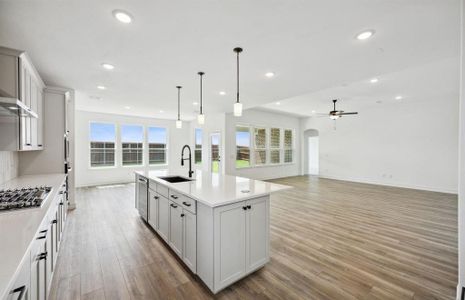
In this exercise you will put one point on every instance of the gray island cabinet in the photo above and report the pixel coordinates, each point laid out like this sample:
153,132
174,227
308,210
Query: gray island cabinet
219,225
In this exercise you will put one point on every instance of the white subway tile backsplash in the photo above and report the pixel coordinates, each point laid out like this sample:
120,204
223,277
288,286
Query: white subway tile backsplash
8,165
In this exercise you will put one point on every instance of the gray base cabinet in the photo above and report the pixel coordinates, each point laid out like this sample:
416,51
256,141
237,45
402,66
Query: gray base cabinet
37,269
220,244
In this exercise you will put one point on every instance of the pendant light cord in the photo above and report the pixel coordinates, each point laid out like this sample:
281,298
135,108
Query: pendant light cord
237,50
201,88
237,64
179,102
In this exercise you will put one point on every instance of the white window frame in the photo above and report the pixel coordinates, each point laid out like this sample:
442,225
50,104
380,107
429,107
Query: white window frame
255,148
251,146
196,165
166,149
143,144
115,164
292,148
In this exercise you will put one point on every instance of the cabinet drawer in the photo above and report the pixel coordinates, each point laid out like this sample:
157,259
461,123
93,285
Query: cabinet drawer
186,202
162,190
153,185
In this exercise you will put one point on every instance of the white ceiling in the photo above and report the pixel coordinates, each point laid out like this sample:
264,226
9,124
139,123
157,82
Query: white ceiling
310,46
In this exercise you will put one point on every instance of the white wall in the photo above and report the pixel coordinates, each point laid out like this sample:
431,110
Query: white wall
461,229
268,119
406,144
86,176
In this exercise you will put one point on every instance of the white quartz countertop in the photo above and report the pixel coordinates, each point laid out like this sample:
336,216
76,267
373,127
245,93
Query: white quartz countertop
18,228
214,189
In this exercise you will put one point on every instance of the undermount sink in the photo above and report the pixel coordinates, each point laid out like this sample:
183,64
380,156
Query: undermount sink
175,179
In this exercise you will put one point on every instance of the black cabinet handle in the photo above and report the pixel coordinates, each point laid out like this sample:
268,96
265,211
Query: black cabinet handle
156,197
249,207
173,206
21,290
244,207
43,231
41,237
182,215
28,144
61,203
186,204
39,145
42,256
54,221
174,196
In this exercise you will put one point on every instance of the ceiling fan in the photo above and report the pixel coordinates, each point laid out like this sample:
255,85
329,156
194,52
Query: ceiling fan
336,114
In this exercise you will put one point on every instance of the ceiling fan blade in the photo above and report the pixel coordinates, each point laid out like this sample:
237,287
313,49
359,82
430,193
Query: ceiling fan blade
348,113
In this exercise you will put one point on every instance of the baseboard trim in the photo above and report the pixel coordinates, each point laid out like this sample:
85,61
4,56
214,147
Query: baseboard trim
395,184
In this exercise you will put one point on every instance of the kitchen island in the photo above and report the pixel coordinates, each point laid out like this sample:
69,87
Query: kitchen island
218,225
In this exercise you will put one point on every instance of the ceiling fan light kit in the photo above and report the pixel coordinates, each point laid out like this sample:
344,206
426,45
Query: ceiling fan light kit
336,114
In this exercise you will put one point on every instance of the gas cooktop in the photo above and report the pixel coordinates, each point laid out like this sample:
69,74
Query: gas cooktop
23,198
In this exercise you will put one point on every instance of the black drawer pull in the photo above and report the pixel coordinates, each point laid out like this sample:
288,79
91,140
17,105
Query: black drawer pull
174,196
249,207
186,204
28,144
156,197
42,256
43,231
244,207
41,237
21,290
182,215
61,203
54,221
173,206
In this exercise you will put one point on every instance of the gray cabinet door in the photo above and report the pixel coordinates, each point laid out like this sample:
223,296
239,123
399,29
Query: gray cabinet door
257,233
229,246
163,217
176,216
153,209
189,250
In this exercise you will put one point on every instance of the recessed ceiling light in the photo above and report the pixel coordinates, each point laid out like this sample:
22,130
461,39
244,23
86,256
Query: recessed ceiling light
108,66
398,97
101,87
374,80
195,103
122,16
278,103
313,111
365,35
222,93
161,111
269,74
127,107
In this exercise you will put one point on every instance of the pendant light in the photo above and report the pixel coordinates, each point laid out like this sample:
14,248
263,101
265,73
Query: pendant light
238,104
201,116
178,121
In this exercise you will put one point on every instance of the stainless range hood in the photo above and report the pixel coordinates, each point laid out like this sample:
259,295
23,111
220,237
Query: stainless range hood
12,106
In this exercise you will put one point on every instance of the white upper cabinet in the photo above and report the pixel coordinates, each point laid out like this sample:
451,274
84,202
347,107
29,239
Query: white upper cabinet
20,80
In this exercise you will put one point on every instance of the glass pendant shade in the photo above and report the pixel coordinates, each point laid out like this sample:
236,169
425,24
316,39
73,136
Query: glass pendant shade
178,124
201,119
237,109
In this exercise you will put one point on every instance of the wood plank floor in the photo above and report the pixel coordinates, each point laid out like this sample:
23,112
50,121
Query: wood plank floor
329,240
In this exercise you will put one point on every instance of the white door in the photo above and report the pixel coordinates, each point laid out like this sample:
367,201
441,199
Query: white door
257,233
189,251
153,209
313,155
215,151
176,228
163,217
229,248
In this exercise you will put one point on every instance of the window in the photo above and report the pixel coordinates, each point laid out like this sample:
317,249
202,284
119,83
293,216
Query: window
242,146
157,139
198,146
102,145
275,145
288,146
260,146
132,137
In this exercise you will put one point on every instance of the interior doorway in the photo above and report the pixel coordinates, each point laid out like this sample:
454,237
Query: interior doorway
215,150
312,153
